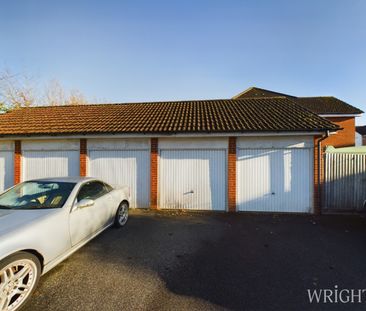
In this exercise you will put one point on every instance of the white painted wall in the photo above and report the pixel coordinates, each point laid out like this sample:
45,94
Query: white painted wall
119,144
123,162
193,143
49,145
275,142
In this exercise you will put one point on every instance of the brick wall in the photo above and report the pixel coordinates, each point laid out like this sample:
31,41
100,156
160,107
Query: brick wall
83,157
154,173
316,196
345,137
318,191
17,161
232,175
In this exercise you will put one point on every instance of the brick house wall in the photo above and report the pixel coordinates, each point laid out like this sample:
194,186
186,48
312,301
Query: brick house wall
345,137
83,157
154,173
317,182
17,161
232,175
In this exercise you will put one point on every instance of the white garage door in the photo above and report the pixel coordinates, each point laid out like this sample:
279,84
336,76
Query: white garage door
125,168
43,163
6,169
192,179
276,180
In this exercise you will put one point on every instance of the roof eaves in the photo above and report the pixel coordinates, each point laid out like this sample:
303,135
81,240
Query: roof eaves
91,133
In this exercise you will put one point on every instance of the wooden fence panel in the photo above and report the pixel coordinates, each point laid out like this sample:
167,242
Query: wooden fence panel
344,187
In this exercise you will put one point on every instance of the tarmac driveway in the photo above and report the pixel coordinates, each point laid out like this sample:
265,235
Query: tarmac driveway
201,261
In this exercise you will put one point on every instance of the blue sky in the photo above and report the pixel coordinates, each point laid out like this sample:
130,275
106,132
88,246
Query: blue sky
122,51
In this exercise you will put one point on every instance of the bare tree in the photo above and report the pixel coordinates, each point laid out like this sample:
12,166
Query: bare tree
19,90
54,94
16,90
76,98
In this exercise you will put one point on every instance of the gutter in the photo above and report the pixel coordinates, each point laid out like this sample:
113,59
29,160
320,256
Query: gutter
340,115
160,135
320,168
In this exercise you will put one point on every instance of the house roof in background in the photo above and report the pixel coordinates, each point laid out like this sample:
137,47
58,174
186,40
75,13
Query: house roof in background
317,104
258,92
361,129
201,116
327,105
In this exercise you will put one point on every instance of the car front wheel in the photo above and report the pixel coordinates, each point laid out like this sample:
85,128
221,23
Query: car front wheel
19,276
121,215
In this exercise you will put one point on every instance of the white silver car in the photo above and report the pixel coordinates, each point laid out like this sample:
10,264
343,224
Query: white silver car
44,221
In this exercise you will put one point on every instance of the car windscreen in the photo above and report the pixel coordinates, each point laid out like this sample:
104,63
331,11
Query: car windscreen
36,195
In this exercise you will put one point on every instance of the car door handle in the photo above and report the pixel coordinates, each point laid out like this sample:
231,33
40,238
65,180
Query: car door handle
189,192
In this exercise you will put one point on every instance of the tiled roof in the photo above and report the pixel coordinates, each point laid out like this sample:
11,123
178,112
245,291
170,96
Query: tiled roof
361,130
258,92
327,105
318,104
202,116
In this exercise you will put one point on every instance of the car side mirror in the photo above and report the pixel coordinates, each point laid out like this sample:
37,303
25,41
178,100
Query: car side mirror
85,203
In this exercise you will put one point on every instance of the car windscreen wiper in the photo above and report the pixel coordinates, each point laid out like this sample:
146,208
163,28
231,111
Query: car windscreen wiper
38,207
5,207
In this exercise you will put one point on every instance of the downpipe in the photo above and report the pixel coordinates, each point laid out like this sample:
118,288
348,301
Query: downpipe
320,168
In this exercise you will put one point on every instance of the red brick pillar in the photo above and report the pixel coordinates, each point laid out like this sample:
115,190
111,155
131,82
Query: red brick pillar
17,161
232,175
317,182
83,157
154,173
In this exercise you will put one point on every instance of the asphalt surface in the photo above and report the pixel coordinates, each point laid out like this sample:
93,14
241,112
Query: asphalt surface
202,261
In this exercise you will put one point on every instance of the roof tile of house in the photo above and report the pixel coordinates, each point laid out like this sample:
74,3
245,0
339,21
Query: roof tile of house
361,130
327,105
258,92
201,116
318,104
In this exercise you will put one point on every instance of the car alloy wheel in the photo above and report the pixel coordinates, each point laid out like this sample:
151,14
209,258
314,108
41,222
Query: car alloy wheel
122,214
17,280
